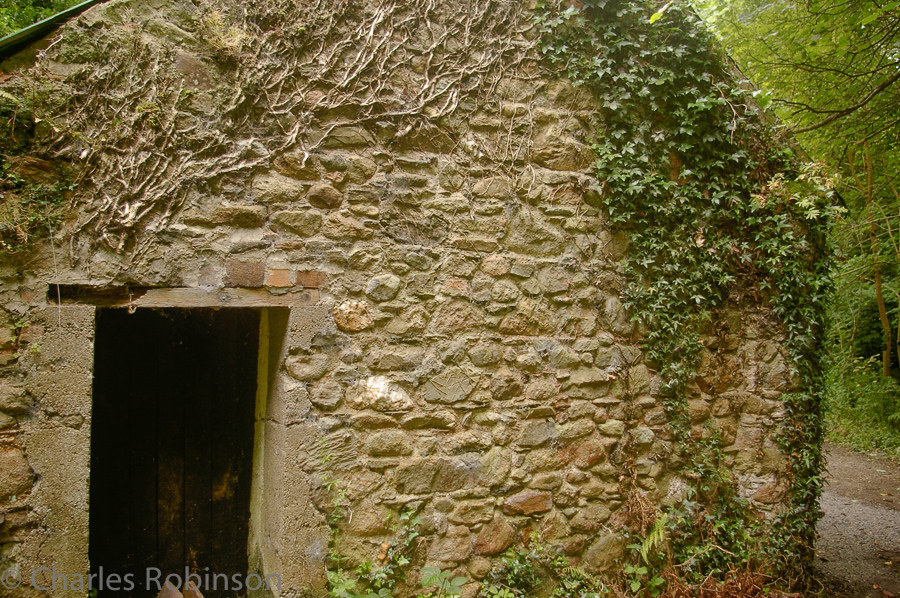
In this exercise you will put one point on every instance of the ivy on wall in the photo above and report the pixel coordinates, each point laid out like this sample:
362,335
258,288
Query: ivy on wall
718,209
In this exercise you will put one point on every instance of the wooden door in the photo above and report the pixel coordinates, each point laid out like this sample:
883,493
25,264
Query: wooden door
172,442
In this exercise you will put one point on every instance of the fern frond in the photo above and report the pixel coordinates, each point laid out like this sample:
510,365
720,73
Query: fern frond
656,537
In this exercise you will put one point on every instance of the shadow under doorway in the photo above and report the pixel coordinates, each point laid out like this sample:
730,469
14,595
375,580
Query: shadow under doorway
172,447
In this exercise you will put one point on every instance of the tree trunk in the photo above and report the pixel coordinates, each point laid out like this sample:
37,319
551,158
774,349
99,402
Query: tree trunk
897,249
879,293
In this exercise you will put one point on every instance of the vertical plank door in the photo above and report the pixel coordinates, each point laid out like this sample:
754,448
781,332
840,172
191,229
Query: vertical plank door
172,442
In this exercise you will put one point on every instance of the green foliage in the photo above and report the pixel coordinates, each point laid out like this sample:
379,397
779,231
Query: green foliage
443,582
516,573
829,69
28,210
714,531
523,570
338,502
371,580
573,582
863,407
18,14
817,60
640,579
718,210
655,539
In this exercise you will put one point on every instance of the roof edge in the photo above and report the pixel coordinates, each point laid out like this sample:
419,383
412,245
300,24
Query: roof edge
14,42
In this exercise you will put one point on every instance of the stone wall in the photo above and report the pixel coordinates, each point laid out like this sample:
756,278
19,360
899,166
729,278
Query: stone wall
472,360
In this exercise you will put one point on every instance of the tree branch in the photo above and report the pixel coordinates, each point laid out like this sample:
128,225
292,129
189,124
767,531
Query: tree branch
849,110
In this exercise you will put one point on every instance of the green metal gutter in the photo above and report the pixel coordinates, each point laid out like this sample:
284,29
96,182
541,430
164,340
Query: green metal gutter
14,42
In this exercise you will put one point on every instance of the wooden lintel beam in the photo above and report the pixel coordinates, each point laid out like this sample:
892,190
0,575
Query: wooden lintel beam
178,297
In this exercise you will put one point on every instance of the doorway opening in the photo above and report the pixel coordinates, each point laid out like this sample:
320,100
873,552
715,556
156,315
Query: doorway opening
172,444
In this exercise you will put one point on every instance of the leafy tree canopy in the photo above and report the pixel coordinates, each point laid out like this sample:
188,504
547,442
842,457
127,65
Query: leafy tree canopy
831,70
18,14
823,61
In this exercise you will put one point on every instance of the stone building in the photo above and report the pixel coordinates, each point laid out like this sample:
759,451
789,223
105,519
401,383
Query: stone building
353,262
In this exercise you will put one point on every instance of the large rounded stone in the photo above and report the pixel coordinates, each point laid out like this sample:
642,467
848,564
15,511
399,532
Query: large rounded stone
450,386
369,519
396,358
612,427
352,316
479,567
484,354
383,288
506,384
642,436
305,223
639,380
564,357
389,444
307,367
13,398
360,169
343,227
455,474
381,394
495,265
325,196
603,553
15,473
528,502
327,394
699,410
504,291
576,429
368,420
590,518
547,481
495,537
541,389
494,467
493,187
416,477
589,452
455,547
275,188
537,433
472,512
348,137
444,419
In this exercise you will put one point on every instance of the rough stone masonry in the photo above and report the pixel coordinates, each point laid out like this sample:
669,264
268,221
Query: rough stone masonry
467,355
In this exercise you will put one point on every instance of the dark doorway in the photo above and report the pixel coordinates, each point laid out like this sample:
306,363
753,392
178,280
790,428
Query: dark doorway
172,444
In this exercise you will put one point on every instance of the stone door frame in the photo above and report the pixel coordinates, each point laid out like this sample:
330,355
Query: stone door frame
287,538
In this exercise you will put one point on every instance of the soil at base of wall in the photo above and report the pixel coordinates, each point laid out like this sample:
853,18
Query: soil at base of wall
858,554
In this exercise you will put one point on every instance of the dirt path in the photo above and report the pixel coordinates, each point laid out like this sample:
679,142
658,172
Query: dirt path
859,535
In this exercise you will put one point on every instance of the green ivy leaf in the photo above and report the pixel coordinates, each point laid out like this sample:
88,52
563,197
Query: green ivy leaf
659,14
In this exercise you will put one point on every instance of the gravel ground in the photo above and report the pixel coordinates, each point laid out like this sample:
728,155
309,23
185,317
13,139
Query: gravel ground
859,535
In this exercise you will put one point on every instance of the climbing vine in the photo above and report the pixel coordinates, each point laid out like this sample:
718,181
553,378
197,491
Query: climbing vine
28,210
32,199
719,211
